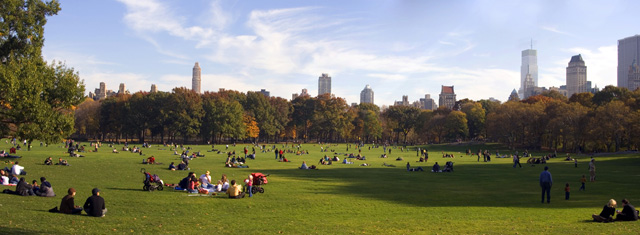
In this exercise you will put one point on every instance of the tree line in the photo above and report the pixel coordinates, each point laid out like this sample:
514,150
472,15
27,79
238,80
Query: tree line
606,121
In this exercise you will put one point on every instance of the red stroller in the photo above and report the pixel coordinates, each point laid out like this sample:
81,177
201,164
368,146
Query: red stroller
259,179
151,182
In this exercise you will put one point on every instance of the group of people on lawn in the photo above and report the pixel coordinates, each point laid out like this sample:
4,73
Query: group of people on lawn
204,184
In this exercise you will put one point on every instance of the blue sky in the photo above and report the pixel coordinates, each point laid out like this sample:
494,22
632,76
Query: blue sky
397,47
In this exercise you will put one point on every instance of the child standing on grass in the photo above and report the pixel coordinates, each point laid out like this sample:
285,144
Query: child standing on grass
583,180
575,162
566,192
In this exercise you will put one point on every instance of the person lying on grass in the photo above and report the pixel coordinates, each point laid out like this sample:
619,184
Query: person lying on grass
62,162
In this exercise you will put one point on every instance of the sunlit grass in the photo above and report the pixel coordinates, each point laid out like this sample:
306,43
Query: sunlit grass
479,197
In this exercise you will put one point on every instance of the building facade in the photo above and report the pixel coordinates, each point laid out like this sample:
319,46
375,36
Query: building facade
576,76
302,94
529,66
634,76
447,97
265,92
324,84
428,103
196,79
628,51
366,95
154,88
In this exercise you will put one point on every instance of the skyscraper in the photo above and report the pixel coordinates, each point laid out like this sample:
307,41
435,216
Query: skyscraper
447,97
122,88
634,76
366,95
529,66
103,91
628,51
324,84
196,80
576,76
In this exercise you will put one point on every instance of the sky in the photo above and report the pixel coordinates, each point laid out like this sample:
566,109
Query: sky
403,47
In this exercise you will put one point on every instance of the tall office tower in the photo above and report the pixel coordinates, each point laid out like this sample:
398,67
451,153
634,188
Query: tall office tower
576,76
628,51
103,91
514,96
447,97
154,88
634,76
366,95
122,88
196,80
529,66
324,84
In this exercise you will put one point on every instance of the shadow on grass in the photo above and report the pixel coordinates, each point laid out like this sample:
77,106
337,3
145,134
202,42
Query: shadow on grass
6,230
128,189
475,185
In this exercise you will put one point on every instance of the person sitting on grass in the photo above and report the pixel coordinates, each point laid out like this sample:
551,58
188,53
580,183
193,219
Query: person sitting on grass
45,189
225,182
192,186
628,213
67,205
436,168
606,215
22,188
235,191
114,150
62,162
151,160
94,206
304,166
4,179
172,167
183,166
48,161
345,161
16,169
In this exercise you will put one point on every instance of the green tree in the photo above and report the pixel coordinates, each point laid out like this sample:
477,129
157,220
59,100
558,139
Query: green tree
475,118
36,98
257,105
222,118
402,119
456,126
186,112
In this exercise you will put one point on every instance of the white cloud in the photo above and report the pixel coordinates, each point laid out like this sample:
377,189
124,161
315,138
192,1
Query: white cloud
555,30
388,77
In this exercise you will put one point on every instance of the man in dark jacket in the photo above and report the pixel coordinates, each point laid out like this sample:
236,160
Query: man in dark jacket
94,206
628,212
45,188
23,188
68,205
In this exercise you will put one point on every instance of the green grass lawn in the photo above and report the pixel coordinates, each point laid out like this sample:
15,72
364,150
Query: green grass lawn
478,198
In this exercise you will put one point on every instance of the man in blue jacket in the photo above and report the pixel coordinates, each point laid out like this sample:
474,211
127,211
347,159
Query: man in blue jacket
545,183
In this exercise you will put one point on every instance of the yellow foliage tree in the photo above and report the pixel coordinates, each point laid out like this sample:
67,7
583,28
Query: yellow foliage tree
252,130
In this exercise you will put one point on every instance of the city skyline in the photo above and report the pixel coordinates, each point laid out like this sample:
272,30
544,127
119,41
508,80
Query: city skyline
398,47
